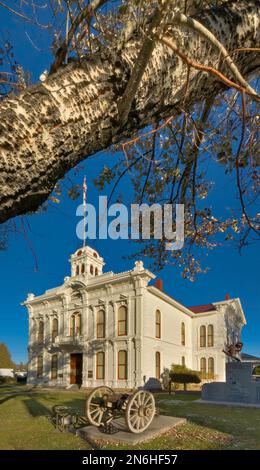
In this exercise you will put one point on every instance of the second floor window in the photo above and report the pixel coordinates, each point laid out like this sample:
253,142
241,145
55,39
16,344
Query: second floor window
40,331
122,321
101,324
72,325
210,336
75,324
183,334
78,324
203,336
158,324
183,361
54,332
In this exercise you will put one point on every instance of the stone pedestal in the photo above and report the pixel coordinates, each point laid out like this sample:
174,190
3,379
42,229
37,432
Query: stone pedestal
160,425
240,385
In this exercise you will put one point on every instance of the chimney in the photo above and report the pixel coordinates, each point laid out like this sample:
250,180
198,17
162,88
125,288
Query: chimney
227,297
159,284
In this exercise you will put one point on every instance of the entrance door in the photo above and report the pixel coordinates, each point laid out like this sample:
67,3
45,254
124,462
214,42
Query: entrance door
76,369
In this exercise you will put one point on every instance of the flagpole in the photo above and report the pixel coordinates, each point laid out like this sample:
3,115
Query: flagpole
84,209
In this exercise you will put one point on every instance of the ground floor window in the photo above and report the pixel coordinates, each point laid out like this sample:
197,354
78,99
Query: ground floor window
122,365
183,361
203,367
100,371
39,367
158,365
54,367
211,367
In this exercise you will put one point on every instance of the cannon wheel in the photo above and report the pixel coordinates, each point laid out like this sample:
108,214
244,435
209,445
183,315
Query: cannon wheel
140,411
94,409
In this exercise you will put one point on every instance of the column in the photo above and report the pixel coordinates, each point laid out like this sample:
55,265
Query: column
129,382
106,351
138,332
114,365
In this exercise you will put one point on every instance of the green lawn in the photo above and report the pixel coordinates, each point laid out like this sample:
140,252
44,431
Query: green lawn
24,423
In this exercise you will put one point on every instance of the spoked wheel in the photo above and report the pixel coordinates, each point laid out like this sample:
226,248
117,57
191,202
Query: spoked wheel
95,408
140,411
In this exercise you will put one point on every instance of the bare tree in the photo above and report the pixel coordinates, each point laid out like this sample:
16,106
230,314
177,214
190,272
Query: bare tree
122,67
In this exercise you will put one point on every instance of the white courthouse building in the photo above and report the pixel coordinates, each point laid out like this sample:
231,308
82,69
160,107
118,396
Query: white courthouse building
119,330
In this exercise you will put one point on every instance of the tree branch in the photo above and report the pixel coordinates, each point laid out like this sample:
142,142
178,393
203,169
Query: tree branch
206,68
144,56
86,14
183,20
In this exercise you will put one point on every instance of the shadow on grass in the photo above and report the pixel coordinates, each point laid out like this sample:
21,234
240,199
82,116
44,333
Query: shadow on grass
36,408
9,397
39,405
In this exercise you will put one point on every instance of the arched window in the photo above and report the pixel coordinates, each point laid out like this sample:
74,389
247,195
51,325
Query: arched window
40,332
158,365
96,271
122,365
72,325
91,269
78,324
55,327
203,367
39,367
211,368
77,270
183,361
54,366
183,334
95,254
203,336
158,324
100,369
122,321
82,268
101,324
210,336
75,324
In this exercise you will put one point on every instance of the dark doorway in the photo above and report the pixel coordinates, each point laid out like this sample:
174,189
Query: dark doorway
76,369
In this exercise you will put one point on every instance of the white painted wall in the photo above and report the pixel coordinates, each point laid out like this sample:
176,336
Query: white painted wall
6,372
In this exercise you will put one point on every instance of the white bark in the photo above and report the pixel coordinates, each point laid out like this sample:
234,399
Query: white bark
50,127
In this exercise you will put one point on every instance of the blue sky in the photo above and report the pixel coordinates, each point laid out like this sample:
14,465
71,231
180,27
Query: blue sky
52,238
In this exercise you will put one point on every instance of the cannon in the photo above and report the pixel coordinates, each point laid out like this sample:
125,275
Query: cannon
104,405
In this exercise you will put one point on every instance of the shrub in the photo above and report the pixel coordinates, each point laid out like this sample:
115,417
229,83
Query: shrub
256,370
182,375
7,380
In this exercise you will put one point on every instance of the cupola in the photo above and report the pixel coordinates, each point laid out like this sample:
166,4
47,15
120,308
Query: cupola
86,262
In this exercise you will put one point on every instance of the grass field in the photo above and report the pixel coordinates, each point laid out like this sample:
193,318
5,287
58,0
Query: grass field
24,423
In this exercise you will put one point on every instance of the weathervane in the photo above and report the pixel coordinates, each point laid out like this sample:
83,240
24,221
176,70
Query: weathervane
84,208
